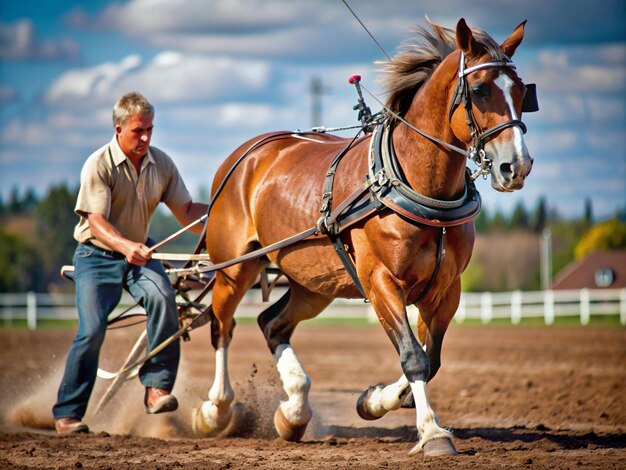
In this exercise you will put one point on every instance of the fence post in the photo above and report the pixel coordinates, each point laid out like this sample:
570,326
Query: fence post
516,307
548,307
461,312
622,306
486,310
31,310
7,311
585,307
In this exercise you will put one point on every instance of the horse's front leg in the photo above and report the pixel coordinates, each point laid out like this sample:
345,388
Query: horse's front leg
214,415
387,298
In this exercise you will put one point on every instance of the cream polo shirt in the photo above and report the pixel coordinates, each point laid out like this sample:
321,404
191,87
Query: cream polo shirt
109,185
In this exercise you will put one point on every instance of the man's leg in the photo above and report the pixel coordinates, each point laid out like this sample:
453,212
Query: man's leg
150,286
99,281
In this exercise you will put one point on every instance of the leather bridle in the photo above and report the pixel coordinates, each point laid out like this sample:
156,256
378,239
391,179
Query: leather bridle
461,95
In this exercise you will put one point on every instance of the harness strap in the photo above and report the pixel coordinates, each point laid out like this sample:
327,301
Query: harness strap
208,267
327,195
347,261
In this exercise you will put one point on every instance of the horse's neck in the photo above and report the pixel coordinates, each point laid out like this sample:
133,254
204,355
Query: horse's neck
429,169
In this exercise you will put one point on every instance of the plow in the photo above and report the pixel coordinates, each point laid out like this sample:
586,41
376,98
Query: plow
191,290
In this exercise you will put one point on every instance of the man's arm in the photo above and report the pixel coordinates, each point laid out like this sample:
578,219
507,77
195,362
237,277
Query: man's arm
136,253
188,213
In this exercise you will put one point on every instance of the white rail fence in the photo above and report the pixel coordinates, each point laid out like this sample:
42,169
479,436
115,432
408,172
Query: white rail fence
485,306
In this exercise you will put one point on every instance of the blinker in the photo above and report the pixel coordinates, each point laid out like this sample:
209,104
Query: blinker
530,103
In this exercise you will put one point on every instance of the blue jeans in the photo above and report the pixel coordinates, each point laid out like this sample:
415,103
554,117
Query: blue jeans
100,277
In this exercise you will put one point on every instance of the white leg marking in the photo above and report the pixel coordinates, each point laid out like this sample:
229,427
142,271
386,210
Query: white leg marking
221,393
215,412
384,399
296,384
426,419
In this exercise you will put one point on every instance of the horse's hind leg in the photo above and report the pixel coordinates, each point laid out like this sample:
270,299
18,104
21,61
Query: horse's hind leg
215,414
278,323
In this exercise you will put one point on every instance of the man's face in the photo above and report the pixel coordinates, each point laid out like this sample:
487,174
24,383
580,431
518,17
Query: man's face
134,135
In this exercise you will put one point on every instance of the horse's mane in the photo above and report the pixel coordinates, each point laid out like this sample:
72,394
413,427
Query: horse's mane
418,59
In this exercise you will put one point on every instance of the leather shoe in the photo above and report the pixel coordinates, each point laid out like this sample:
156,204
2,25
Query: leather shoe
68,426
159,400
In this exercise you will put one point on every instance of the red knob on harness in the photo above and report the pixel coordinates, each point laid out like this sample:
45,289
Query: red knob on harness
354,79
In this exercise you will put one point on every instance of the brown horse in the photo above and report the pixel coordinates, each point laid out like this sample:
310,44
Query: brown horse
448,88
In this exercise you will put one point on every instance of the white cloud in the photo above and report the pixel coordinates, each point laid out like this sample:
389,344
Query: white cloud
92,84
579,70
19,41
62,130
169,77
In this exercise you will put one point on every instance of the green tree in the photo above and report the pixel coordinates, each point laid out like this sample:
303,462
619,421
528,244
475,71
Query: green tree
498,221
18,264
540,215
519,217
30,201
609,235
15,203
588,215
481,222
54,225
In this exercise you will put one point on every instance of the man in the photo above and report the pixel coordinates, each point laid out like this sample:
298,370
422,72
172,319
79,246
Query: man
121,185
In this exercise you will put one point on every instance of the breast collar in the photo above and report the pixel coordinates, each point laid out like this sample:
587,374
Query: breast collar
390,188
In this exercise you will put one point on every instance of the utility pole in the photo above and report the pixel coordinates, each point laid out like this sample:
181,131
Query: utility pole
546,258
317,90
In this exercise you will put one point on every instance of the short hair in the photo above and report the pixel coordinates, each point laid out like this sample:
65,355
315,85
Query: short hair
129,105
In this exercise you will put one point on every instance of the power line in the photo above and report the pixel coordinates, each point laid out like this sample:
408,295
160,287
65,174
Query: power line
365,28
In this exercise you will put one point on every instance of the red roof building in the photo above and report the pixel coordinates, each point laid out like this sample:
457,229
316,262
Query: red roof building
599,270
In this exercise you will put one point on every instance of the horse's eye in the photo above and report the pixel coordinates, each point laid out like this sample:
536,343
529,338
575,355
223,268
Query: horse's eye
480,91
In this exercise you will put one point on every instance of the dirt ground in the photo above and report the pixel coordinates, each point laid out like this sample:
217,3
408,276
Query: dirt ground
515,397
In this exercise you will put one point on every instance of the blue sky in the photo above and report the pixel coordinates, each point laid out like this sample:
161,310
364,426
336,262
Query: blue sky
222,71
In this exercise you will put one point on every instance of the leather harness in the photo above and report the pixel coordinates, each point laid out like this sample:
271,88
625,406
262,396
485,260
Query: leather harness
386,189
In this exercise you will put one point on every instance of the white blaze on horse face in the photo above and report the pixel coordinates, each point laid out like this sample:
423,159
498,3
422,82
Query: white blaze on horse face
505,83
296,384
513,154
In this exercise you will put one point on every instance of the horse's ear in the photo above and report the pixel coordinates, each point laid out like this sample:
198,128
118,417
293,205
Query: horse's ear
510,44
464,37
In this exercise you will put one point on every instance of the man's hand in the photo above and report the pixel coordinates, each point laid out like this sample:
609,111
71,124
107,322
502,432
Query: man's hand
137,253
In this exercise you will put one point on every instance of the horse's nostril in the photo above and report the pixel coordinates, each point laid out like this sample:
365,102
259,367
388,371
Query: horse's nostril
506,169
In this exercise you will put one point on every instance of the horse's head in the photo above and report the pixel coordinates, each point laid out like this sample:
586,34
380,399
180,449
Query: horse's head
487,104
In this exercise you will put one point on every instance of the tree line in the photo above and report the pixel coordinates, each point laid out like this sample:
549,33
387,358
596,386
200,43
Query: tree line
36,239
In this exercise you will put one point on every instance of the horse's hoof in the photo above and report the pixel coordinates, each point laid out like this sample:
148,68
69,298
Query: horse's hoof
286,430
198,425
438,447
361,405
205,422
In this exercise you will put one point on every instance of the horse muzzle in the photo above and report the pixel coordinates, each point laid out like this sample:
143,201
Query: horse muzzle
508,177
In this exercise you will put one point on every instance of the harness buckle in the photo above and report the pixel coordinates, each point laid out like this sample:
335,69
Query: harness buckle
381,179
